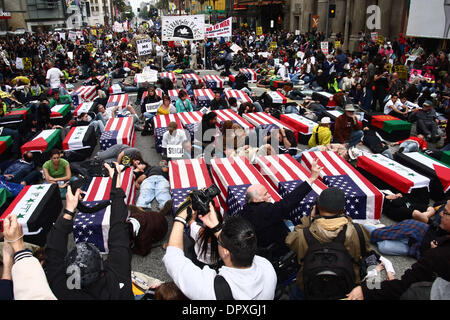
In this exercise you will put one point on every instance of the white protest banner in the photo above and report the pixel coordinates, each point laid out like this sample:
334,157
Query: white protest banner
72,36
70,55
144,46
183,27
174,151
79,35
235,48
221,29
297,32
324,47
19,63
62,35
117,27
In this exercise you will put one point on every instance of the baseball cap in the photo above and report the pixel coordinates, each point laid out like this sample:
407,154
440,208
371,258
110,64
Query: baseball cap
428,103
332,199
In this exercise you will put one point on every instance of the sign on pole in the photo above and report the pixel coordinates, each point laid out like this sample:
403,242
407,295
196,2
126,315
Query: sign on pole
221,29
183,27
144,46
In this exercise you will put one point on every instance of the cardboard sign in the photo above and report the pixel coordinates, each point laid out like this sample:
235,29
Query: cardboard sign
19,63
337,44
402,73
259,31
72,36
27,65
174,151
70,55
374,36
144,47
273,45
324,47
90,47
153,107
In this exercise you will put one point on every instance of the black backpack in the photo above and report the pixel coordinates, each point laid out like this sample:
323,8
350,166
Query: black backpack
327,268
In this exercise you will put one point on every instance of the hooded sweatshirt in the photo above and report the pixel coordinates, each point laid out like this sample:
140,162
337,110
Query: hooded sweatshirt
255,283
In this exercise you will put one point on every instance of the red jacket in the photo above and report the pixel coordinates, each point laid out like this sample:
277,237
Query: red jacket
422,143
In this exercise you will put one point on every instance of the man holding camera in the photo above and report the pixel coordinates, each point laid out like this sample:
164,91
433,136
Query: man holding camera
245,275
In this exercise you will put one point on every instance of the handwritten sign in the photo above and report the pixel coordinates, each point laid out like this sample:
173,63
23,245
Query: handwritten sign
174,151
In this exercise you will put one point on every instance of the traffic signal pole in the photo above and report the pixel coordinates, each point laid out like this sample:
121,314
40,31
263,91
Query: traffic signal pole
328,18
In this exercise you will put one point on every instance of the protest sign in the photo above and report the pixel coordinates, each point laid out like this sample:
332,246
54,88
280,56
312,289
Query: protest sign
144,46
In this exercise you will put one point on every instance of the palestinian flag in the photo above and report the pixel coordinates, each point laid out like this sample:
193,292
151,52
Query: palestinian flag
4,195
5,143
389,123
446,157
36,207
428,166
15,116
78,138
393,173
59,111
44,141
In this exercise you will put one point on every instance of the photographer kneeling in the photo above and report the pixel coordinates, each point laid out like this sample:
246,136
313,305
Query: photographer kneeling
245,275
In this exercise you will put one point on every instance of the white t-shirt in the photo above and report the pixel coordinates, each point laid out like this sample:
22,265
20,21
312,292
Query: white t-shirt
54,75
389,104
176,139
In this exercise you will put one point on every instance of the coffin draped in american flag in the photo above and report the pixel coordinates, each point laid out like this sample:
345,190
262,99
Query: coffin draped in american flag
100,187
84,107
275,97
213,81
15,116
240,95
285,173
80,137
185,176
437,171
44,141
228,114
334,165
160,124
158,92
203,98
102,80
233,176
265,120
190,78
250,74
120,100
118,131
169,75
93,227
173,94
36,207
393,173
82,94
190,121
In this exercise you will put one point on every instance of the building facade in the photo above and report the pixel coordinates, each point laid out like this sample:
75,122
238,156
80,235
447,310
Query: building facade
100,12
351,17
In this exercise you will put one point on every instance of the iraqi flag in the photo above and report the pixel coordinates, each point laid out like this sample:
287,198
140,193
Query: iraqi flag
250,74
237,171
389,123
285,174
117,131
213,81
299,123
84,107
93,227
335,165
240,95
203,98
276,97
80,137
59,111
100,187
393,173
36,207
265,120
43,142
185,176
5,143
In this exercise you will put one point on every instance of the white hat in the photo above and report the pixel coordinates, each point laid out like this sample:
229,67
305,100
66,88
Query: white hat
354,153
325,120
349,107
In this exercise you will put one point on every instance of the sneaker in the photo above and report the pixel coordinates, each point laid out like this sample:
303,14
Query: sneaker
167,208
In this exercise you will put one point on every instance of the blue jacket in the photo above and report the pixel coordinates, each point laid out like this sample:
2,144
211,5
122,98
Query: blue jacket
19,168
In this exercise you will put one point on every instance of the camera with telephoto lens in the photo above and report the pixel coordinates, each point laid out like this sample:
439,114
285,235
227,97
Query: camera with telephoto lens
200,199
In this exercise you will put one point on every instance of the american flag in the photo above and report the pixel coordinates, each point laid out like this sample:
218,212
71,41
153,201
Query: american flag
118,131
190,78
187,118
306,204
240,95
355,198
250,74
159,132
102,80
191,128
169,75
203,97
120,100
262,118
228,114
186,175
236,171
82,94
93,227
236,199
335,165
100,187
213,81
